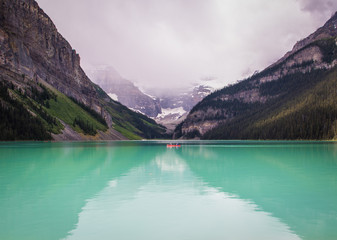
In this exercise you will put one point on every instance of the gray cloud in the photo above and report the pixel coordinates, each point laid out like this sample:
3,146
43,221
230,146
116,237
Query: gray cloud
320,9
161,43
318,6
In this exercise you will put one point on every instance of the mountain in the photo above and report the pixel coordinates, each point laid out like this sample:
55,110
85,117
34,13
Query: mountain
176,105
124,91
45,94
168,108
293,98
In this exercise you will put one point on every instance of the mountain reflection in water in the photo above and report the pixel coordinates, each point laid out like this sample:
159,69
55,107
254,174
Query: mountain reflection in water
109,190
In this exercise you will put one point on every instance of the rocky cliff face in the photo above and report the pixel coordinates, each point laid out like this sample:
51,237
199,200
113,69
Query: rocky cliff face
33,52
31,45
124,91
307,54
317,51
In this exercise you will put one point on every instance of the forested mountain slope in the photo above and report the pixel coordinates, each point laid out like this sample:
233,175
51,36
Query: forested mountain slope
45,94
295,98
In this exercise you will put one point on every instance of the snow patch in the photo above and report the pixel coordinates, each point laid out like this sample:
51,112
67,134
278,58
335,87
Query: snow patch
137,110
171,111
113,96
145,93
153,97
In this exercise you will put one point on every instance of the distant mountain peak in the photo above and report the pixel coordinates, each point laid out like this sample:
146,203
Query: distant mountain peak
123,90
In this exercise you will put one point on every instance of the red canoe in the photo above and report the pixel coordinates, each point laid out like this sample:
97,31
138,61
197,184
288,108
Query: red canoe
173,145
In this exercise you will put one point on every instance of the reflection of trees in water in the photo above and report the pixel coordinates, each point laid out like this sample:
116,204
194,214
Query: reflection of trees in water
47,185
295,183
51,187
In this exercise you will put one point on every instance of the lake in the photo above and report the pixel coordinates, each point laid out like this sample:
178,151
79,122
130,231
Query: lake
144,190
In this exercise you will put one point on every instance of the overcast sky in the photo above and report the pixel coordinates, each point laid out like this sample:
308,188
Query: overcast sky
161,43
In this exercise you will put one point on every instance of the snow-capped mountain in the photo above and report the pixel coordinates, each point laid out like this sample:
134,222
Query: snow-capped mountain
175,107
168,108
124,91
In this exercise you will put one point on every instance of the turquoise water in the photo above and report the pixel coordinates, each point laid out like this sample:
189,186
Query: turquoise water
143,190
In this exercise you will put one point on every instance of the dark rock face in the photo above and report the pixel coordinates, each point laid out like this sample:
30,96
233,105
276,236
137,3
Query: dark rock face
31,45
32,52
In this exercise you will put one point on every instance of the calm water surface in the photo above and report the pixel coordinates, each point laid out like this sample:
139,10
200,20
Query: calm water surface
143,190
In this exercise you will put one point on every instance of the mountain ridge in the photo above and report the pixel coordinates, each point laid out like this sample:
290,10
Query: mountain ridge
125,91
35,56
219,112
167,108
329,29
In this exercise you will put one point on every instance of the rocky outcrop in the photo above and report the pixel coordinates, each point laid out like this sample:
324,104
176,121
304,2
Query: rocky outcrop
32,46
329,29
305,56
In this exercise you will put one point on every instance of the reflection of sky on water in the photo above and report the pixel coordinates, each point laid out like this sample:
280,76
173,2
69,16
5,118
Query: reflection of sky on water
136,189
162,199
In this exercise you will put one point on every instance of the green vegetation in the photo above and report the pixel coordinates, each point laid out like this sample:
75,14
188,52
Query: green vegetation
291,84
16,122
97,116
33,114
42,96
36,102
305,108
35,99
41,108
212,99
127,133
193,134
299,106
178,131
134,125
68,110
328,48
84,125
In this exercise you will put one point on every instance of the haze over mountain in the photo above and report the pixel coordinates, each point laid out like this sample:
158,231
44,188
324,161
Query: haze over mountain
165,43
45,94
124,91
175,106
294,98
166,107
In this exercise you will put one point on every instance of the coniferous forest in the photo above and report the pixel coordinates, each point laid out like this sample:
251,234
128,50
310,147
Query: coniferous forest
16,122
305,108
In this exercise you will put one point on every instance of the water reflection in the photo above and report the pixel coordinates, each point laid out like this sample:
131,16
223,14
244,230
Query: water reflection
295,183
170,202
146,191
44,186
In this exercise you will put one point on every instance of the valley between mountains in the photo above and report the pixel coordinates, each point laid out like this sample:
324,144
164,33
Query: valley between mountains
46,95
